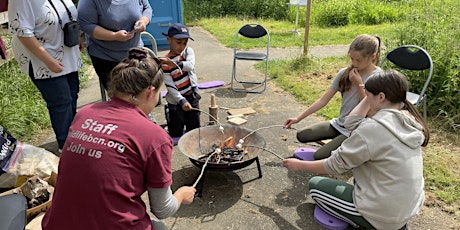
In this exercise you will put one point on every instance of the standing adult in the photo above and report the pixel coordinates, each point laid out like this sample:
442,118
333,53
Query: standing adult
111,28
38,46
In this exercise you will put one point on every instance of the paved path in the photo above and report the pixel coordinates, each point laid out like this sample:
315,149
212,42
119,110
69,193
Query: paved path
239,199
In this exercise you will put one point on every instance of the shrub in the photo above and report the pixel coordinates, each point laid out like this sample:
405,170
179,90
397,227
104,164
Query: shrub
432,26
333,13
365,12
197,9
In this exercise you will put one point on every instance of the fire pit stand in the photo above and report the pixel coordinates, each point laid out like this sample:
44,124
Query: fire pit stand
193,143
200,184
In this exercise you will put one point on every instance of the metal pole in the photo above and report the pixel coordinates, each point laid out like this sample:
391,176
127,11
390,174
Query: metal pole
297,18
307,29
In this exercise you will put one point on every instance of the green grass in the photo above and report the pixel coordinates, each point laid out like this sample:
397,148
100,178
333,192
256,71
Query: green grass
224,29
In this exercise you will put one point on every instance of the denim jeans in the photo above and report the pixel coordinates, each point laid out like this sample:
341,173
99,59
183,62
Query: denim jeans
60,94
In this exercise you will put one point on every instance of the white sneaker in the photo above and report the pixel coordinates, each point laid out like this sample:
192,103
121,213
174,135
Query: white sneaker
60,150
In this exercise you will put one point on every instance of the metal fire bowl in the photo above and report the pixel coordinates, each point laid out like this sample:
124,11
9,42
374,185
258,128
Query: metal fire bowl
204,137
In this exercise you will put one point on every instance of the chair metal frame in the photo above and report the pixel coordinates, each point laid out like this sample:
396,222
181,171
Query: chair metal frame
251,31
412,57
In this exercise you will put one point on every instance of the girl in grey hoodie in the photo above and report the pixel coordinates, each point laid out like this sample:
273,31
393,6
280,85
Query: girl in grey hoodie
384,154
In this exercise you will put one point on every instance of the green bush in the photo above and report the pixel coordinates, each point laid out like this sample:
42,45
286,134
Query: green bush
365,12
332,13
432,26
197,9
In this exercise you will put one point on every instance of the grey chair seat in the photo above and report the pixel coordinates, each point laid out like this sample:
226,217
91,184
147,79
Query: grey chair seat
250,56
258,34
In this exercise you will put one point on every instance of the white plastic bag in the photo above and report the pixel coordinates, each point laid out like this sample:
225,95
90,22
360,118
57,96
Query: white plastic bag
27,161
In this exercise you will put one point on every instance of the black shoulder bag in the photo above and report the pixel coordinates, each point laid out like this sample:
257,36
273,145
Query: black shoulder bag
71,29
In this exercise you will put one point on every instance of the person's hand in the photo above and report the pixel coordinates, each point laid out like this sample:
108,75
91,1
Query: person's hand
81,43
123,35
139,26
55,66
187,193
167,61
355,77
289,122
292,164
187,106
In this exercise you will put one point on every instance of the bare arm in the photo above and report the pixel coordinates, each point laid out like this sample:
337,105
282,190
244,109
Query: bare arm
317,105
32,44
294,164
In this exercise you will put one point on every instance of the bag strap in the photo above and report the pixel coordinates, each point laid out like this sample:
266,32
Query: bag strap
67,9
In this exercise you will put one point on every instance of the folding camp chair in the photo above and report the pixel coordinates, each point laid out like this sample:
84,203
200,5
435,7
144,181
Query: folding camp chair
412,57
245,34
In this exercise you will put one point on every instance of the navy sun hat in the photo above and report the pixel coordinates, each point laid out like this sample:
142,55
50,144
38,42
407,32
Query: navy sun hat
178,30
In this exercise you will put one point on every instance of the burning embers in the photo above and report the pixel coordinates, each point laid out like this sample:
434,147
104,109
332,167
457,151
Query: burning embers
224,152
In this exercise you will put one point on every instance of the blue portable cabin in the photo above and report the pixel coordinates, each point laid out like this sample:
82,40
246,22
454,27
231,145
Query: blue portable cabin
165,13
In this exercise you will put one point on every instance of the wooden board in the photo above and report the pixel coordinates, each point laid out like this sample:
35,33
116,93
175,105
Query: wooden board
237,121
244,111
35,223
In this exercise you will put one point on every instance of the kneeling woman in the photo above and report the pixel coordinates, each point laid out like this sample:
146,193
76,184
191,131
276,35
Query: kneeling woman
114,154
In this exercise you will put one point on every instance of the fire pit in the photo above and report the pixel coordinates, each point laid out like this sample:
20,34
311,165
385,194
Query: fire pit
198,143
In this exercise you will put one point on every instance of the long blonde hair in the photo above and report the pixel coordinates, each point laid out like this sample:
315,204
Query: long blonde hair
367,45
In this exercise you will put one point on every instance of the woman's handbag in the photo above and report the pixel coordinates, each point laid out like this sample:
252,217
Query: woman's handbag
71,29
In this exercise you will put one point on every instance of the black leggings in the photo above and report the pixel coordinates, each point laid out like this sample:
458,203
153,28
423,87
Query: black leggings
103,69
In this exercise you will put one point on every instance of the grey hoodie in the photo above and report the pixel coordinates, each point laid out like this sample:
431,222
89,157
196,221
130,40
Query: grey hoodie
384,154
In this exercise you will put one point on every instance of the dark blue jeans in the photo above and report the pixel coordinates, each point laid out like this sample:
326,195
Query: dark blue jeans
60,94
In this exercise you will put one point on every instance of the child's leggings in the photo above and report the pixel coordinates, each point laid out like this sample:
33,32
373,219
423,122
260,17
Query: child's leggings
336,198
321,131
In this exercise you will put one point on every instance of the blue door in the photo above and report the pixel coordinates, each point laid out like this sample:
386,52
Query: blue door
165,13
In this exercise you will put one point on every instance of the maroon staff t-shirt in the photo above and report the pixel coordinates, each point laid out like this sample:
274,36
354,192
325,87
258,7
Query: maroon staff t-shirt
112,154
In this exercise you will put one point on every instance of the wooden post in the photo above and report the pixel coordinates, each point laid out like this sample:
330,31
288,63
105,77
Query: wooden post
307,28
213,108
